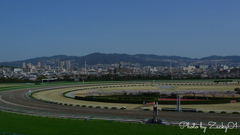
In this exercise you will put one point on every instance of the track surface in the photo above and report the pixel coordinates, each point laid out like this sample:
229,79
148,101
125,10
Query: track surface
18,99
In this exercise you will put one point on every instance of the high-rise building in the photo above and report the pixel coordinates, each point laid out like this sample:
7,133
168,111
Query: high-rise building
23,65
29,65
45,66
38,64
61,64
68,64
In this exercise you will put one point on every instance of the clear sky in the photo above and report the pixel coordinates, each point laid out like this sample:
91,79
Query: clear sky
190,28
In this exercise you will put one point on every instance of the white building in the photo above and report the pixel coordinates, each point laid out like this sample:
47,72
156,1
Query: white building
61,64
68,64
23,65
38,64
225,67
17,70
189,69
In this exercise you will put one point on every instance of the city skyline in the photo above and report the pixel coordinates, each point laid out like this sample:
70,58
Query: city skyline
193,29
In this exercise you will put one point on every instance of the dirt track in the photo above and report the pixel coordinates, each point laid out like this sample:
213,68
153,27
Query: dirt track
18,99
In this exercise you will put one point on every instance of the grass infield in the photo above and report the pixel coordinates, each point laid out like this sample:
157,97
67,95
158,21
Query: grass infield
55,95
34,125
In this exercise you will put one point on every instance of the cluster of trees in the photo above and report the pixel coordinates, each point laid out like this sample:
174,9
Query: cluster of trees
129,77
213,93
14,80
237,90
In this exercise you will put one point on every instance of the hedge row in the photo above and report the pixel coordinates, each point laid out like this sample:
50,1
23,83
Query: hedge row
211,98
223,81
142,98
197,102
112,100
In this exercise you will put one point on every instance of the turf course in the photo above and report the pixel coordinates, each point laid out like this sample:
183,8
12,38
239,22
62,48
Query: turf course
34,125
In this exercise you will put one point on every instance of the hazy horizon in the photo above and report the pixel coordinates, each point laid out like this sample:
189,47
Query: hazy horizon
193,29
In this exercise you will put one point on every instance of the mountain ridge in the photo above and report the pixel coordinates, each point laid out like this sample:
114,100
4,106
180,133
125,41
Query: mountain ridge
143,59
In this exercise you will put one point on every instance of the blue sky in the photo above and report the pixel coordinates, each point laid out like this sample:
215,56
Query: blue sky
190,28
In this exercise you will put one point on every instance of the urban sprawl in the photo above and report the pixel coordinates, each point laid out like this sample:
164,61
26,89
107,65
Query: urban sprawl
66,70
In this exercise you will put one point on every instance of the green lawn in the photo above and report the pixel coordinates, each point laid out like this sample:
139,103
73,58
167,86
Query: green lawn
34,125
14,86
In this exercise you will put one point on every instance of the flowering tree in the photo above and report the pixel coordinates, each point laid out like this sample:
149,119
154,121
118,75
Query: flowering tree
125,92
99,92
179,92
163,92
185,92
194,92
105,92
90,93
233,93
204,92
223,93
115,92
213,93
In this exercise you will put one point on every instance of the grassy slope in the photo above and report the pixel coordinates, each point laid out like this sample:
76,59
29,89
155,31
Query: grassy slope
32,125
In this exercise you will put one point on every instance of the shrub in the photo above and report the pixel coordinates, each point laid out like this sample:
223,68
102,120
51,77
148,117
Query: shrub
70,104
146,109
211,111
123,108
65,104
199,111
77,105
237,90
114,108
98,106
60,103
84,106
235,112
223,112
105,107
89,106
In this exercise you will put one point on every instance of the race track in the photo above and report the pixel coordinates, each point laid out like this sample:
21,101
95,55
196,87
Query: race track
18,99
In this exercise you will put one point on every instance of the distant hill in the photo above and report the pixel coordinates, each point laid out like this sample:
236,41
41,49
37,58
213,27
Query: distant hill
235,59
143,59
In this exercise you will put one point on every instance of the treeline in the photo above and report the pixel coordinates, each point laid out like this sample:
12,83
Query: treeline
107,77
110,77
14,80
115,77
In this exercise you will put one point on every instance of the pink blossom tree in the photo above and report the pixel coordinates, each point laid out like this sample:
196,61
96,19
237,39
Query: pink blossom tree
232,93
223,93
213,93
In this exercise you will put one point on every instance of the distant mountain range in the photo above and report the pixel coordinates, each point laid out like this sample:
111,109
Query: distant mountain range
142,59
